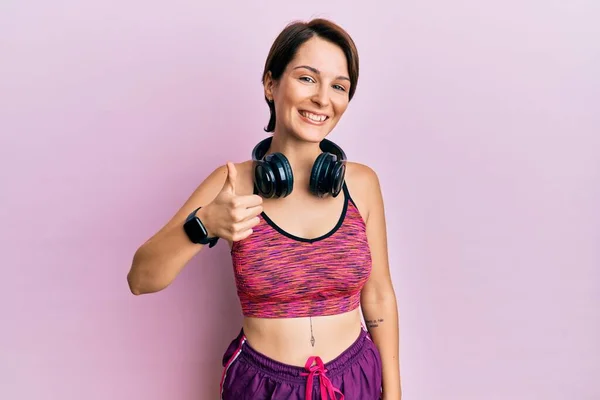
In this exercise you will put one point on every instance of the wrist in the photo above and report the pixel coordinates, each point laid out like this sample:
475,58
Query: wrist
204,215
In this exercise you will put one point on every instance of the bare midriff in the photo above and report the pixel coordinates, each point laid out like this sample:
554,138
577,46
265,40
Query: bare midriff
288,340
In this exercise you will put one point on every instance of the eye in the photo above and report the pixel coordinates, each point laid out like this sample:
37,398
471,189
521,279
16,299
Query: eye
339,87
307,79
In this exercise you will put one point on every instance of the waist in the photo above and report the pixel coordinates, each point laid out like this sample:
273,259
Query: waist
288,340
292,373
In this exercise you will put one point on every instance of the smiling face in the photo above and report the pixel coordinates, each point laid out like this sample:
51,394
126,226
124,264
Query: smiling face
313,93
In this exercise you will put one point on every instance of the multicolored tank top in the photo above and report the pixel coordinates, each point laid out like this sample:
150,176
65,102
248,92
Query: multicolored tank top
279,275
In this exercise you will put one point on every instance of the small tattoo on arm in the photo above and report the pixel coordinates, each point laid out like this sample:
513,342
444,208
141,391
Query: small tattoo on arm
373,323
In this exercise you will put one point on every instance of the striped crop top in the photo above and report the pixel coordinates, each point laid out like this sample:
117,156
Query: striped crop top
279,275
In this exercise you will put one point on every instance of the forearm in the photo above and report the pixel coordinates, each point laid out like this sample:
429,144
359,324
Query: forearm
158,261
381,317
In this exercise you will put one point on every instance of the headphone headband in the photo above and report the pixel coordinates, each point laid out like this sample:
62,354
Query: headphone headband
273,176
326,145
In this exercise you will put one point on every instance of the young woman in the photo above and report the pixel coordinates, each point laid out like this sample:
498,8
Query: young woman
306,253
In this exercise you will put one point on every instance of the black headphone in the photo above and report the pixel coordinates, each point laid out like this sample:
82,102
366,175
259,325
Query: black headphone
273,175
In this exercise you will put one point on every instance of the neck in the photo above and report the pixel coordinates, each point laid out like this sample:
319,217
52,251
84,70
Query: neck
301,154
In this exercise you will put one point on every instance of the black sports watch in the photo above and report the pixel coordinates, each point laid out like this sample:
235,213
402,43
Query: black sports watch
196,231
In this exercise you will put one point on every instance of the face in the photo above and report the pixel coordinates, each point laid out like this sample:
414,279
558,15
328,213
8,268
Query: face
313,93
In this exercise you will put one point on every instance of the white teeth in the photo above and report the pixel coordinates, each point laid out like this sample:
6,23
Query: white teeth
313,117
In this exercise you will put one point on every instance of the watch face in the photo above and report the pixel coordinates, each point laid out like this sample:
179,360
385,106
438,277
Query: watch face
195,230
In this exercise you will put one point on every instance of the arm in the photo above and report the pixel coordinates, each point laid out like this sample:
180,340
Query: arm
161,258
378,300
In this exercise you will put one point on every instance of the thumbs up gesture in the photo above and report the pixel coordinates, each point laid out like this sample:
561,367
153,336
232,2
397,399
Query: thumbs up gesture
232,216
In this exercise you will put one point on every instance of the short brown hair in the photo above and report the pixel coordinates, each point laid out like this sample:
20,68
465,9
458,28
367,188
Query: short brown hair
286,45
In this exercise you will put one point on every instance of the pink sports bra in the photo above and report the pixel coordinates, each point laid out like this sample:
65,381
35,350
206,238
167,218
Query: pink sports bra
279,275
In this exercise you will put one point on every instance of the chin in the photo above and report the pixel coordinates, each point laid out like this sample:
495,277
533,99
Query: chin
311,133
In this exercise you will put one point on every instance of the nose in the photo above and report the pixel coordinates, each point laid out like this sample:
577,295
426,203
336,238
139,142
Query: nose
321,96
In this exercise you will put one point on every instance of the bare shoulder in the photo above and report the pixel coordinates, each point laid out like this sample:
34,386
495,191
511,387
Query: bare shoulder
363,185
361,173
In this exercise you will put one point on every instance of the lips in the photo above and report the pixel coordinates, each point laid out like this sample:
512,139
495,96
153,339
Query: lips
312,117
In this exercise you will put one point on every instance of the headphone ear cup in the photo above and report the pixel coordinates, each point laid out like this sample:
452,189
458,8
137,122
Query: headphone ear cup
264,179
284,177
338,173
320,183
314,174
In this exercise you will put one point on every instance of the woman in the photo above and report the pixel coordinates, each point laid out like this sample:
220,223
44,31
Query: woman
307,235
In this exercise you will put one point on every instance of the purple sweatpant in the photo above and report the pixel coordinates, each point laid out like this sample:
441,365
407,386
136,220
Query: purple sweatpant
354,374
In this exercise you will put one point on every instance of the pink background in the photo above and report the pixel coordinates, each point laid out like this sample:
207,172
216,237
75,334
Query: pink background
481,118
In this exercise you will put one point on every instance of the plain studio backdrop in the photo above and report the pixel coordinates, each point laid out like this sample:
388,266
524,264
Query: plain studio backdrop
482,119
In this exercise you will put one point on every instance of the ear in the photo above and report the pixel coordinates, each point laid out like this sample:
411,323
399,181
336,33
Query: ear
269,83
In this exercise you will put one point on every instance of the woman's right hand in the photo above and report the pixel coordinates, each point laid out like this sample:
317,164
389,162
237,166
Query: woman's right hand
231,216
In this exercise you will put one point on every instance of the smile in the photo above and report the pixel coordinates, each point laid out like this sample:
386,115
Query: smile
313,118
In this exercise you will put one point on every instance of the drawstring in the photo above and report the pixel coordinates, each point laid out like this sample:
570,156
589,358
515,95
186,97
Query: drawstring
326,385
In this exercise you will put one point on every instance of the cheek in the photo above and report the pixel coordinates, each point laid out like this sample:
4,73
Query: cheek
340,108
296,93
286,99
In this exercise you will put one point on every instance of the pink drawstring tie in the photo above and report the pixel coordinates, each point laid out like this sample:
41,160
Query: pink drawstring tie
326,385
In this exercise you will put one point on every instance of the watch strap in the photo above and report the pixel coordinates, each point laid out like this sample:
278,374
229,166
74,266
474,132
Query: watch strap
211,241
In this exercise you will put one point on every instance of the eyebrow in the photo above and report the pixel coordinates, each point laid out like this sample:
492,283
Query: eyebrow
316,71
